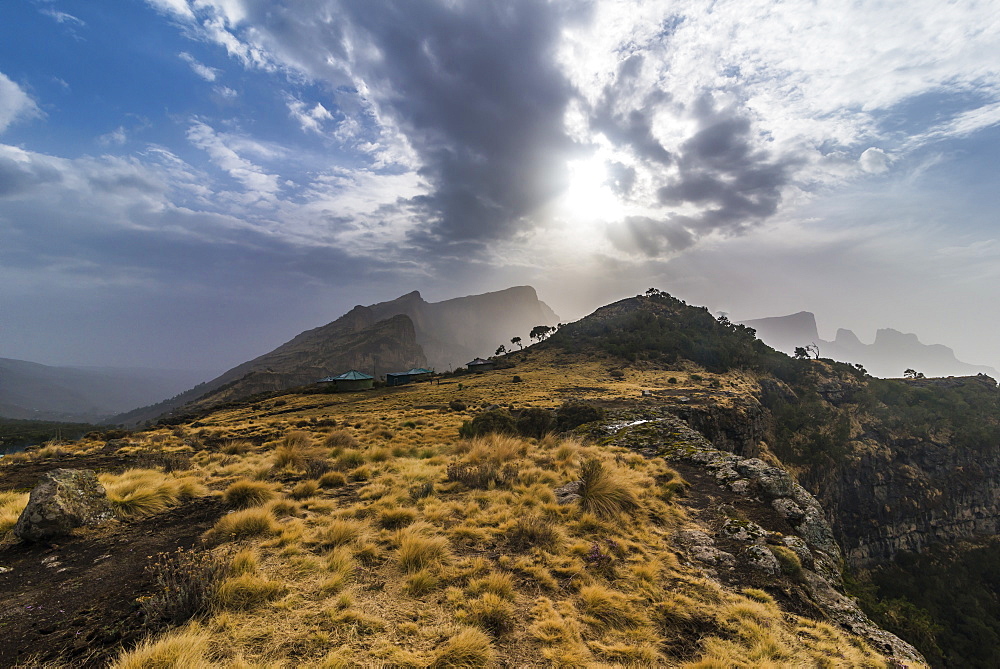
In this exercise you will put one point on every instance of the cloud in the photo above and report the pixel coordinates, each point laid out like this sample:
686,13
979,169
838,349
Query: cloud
116,137
63,17
15,104
310,119
874,161
204,71
222,150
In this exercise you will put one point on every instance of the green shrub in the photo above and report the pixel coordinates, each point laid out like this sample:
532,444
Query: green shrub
494,421
574,414
535,422
186,582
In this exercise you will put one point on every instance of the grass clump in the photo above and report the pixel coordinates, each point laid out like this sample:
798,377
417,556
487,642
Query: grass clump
532,531
605,492
605,607
340,439
789,562
469,648
493,613
242,525
181,648
332,480
143,492
244,494
395,518
11,506
418,550
247,591
338,532
304,490
420,583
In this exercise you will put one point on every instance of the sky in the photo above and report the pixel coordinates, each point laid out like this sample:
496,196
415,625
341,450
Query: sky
190,183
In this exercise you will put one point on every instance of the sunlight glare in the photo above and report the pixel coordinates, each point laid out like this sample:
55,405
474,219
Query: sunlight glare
589,197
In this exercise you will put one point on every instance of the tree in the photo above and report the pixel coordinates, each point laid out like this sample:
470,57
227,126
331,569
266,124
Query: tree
501,351
911,373
516,340
806,352
540,332
801,353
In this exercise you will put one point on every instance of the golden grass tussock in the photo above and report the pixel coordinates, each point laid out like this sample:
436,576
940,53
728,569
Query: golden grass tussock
340,439
419,550
605,490
304,490
332,480
603,606
186,647
243,562
420,583
243,524
493,613
468,648
338,532
246,591
244,494
495,449
395,518
11,506
499,583
143,492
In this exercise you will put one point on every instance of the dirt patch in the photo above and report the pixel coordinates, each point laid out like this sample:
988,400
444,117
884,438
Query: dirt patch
24,476
74,602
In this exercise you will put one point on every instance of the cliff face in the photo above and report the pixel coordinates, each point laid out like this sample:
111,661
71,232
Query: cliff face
455,331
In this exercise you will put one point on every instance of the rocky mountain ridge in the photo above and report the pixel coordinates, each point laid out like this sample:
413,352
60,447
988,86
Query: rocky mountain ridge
887,356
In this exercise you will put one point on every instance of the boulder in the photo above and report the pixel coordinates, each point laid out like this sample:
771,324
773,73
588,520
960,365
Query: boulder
65,499
568,493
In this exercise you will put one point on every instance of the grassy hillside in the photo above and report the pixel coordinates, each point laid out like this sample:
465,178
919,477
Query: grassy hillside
360,530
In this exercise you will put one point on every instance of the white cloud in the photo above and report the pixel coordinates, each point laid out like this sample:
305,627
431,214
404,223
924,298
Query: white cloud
63,17
309,119
874,161
15,104
225,92
116,137
258,184
204,71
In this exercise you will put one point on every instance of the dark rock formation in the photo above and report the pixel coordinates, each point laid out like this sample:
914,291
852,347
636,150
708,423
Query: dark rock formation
65,499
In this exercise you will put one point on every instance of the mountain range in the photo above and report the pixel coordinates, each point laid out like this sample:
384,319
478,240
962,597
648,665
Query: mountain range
888,356
389,336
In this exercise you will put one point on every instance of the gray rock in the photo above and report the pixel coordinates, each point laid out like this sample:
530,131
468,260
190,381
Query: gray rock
65,499
759,557
743,530
788,510
701,547
568,493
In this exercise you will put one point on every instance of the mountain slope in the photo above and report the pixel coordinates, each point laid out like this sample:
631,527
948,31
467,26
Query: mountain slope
890,353
30,390
356,340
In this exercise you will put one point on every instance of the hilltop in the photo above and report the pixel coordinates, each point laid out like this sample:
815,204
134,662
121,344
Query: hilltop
694,506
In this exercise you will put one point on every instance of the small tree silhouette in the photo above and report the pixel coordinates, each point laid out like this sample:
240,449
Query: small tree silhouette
501,351
516,340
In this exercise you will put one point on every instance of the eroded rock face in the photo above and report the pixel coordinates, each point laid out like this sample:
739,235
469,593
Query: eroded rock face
65,499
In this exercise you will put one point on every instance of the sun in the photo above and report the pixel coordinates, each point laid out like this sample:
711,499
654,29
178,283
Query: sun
589,196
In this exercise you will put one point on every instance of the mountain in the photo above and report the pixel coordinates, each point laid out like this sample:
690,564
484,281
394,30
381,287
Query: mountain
455,331
356,340
888,356
389,336
29,390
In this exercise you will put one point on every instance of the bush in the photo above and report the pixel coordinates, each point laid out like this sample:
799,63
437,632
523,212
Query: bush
243,494
535,422
604,491
574,414
457,405
186,582
494,421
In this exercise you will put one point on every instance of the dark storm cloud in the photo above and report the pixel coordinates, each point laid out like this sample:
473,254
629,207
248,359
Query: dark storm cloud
475,88
722,173
632,127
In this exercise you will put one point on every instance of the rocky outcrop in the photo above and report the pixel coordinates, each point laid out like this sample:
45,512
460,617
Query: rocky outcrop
904,495
755,525
739,426
64,500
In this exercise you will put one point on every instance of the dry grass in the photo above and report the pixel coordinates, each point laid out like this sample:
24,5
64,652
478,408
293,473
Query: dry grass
11,506
382,554
243,524
142,492
244,494
186,647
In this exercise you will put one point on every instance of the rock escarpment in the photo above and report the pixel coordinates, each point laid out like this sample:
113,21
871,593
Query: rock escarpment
754,525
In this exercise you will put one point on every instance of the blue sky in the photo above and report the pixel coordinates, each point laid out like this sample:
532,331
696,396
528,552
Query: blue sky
189,183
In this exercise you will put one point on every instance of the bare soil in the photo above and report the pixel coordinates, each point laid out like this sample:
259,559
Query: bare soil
74,602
